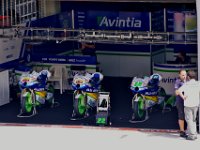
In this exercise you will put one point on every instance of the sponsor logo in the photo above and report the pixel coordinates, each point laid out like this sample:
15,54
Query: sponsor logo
72,60
118,22
168,80
44,59
91,90
80,60
52,59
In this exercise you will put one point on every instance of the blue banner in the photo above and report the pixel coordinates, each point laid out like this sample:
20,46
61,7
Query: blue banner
62,20
110,20
85,60
157,20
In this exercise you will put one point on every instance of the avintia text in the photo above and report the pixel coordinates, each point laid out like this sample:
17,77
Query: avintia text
128,22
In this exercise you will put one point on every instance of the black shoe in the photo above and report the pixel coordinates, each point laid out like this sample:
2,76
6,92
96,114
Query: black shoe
183,134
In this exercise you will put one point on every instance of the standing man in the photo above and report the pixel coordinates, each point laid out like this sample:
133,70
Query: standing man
179,101
191,97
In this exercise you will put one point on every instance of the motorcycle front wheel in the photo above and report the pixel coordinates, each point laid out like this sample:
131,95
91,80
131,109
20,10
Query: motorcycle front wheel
139,109
26,102
79,105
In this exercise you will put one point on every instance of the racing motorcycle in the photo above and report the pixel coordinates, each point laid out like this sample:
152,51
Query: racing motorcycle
147,94
86,92
35,92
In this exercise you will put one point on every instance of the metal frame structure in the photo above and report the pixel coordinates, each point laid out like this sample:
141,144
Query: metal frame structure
25,10
19,11
101,36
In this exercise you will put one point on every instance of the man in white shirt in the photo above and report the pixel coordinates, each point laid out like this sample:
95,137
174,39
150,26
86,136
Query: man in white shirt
190,92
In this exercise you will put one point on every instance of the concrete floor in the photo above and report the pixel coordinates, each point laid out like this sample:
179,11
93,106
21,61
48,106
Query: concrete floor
58,137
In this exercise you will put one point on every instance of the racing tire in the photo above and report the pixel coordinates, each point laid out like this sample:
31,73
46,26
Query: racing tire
80,106
139,109
26,103
50,99
162,93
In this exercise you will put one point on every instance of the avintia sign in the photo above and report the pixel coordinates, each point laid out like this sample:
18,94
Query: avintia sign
129,22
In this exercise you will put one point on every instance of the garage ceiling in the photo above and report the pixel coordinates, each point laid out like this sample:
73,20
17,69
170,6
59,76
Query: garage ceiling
150,1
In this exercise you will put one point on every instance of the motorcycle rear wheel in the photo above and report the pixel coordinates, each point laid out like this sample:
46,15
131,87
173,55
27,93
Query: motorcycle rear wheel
139,109
50,100
162,93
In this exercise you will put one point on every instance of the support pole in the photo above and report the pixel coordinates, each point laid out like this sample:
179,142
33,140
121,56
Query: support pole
15,12
7,13
3,21
11,15
198,45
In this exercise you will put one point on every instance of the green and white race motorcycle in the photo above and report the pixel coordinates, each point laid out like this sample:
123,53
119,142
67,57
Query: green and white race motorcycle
88,98
147,94
35,92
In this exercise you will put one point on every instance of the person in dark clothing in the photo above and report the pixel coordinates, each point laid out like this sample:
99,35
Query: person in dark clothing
88,49
179,101
182,58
